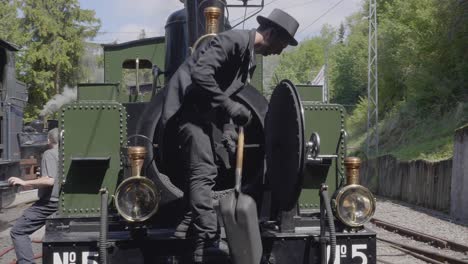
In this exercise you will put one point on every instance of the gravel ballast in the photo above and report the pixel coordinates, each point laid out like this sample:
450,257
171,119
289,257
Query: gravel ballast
419,219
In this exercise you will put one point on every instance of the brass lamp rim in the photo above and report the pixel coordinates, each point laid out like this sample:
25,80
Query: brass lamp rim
145,180
339,195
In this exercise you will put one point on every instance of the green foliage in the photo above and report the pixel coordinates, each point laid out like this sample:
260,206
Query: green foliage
56,30
298,64
348,64
422,62
356,123
10,23
301,64
407,135
422,73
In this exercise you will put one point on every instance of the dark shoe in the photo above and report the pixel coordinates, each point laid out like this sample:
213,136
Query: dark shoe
211,251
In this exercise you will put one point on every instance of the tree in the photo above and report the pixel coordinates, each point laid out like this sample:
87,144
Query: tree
10,24
142,34
57,30
348,63
302,63
341,33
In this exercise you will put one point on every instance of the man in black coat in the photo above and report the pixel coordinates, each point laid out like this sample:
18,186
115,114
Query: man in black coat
201,90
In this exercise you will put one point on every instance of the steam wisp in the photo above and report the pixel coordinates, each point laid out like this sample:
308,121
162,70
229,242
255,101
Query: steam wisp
53,105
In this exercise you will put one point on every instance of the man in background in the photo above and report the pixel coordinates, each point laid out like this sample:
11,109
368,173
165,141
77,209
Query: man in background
34,217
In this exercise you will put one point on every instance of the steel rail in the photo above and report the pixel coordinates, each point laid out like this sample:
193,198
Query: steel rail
434,256
414,254
418,236
383,261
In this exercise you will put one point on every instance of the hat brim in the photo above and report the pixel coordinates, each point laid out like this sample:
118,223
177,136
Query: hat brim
264,20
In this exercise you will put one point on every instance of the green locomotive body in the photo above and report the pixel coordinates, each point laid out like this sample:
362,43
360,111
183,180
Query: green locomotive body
295,155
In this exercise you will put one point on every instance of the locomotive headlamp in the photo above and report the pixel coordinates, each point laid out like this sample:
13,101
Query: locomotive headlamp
354,204
137,197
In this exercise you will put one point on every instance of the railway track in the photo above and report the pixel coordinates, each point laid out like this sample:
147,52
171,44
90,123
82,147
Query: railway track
429,256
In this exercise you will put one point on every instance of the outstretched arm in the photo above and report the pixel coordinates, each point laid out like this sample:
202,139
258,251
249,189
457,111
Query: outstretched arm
44,181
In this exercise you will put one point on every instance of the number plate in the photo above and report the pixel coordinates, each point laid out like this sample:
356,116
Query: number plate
354,251
71,255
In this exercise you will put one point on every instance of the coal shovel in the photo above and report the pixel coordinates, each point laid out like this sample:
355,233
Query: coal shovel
239,213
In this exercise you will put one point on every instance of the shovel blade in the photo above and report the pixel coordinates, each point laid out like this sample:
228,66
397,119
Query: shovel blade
239,213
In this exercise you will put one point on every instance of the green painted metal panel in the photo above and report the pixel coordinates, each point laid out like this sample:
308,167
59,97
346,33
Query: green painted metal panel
328,121
98,91
90,154
152,49
310,92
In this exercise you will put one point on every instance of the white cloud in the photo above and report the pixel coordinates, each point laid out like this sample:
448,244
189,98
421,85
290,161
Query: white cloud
151,15
146,8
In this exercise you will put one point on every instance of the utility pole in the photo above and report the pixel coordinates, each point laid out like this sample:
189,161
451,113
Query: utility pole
372,85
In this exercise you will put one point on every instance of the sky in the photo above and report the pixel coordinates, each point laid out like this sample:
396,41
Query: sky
123,20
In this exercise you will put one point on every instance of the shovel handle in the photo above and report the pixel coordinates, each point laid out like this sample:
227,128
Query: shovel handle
239,158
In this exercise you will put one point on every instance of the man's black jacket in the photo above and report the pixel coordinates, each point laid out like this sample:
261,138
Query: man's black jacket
212,74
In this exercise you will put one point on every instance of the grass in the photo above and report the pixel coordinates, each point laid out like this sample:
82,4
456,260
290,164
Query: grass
408,136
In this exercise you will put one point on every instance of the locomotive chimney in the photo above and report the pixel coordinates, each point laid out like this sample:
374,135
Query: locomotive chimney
137,157
352,165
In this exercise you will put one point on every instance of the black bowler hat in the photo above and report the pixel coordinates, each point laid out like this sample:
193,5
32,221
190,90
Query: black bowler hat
283,20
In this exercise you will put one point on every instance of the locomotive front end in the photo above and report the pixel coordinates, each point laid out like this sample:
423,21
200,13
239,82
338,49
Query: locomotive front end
137,198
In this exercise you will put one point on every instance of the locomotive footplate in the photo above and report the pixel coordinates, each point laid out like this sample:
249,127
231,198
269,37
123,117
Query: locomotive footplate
304,247
77,242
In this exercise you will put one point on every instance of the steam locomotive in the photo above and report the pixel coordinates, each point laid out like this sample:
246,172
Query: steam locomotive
19,147
294,161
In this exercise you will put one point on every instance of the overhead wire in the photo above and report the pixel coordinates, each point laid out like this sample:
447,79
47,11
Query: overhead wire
322,15
243,21
301,4
255,11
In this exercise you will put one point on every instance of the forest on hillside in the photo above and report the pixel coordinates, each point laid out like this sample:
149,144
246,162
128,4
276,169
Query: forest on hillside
422,74
51,34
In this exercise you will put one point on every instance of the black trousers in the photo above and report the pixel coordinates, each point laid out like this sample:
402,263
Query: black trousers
200,170
32,219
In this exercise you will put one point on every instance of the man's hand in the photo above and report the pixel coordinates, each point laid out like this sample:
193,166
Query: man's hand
238,112
230,138
16,181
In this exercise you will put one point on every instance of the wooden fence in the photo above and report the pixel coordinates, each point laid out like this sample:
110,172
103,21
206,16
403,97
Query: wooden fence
459,198
417,182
